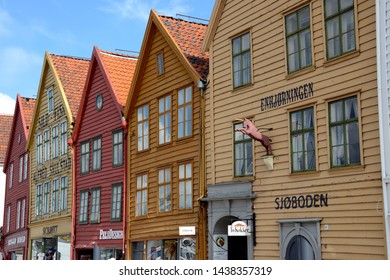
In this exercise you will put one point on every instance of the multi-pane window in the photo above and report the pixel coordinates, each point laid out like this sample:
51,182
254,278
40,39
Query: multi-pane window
137,250
160,63
18,209
97,153
142,195
64,193
242,73
243,153
184,109
38,200
55,196
84,157
54,141
46,198
164,190
25,169
63,139
164,120
83,207
117,148
116,202
50,100
143,127
340,27
303,155
11,175
95,206
298,40
21,169
39,149
8,218
344,132
46,145
22,213
185,186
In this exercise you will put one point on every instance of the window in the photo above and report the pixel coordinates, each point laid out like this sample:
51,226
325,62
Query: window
185,186
117,148
21,169
25,169
50,98
242,60
97,153
99,102
298,40
340,27
84,157
38,200
83,207
22,213
46,145
11,175
8,218
54,141
164,120
142,195
95,206
18,209
143,127
55,196
344,132
303,156
64,193
137,250
243,153
64,138
164,190
160,63
46,198
184,112
39,148
116,202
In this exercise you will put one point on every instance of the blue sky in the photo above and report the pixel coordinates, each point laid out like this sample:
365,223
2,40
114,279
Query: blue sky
72,27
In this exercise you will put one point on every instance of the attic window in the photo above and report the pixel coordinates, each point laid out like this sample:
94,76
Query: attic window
99,102
19,138
160,63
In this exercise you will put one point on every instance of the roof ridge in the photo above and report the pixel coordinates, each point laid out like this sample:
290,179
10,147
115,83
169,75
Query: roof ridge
118,54
180,19
71,56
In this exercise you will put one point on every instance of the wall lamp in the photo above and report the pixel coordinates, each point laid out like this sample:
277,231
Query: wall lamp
202,83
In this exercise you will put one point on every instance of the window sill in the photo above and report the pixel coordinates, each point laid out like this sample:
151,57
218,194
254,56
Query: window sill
241,88
300,72
352,168
243,179
341,58
305,173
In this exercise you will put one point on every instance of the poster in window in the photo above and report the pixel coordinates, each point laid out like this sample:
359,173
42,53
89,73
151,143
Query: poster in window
187,248
170,249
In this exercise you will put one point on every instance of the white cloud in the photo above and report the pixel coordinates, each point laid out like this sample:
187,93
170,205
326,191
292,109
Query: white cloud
5,21
140,9
7,104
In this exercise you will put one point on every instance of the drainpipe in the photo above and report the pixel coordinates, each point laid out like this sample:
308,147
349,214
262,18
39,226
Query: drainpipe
72,237
124,124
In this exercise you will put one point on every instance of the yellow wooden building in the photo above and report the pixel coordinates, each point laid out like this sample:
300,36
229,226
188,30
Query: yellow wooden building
304,73
50,216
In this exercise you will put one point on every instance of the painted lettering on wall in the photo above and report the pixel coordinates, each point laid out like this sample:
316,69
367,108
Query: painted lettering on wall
54,168
111,234
301,201
50,230
44,120
285,97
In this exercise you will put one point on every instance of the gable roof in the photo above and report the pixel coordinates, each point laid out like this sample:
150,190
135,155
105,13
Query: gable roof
213,24
185,39
25,107
69,75
117,70
5,130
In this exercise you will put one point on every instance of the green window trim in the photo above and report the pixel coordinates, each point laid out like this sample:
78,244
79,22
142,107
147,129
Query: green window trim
97,153
242,60
116,202
84,157
83,210
243,160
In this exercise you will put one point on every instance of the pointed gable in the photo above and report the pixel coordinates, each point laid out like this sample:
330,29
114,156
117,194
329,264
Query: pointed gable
27,105
72,73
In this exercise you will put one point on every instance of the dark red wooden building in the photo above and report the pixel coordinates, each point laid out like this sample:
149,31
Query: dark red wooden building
16,168
99,145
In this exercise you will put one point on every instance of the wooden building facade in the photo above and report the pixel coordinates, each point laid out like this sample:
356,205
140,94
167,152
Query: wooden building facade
165,218
304,73
99,139
58,98
14,187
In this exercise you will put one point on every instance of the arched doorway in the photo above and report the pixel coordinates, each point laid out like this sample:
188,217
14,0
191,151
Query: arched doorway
237,246
299,248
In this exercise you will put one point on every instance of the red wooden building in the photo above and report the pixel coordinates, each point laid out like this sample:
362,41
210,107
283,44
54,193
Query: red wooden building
16,167
99,141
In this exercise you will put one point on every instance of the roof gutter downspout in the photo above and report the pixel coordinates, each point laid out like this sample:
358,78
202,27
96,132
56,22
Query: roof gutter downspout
72,238
383,113
124,186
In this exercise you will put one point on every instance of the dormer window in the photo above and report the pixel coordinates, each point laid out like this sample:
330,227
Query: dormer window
50,100
160,63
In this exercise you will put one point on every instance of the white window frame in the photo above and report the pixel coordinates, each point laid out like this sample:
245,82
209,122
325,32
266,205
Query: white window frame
143,128
185,186
142,195
185,112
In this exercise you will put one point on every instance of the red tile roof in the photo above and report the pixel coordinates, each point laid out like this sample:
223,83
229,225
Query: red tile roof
189,37
72,72
28,105
120,68
5,130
